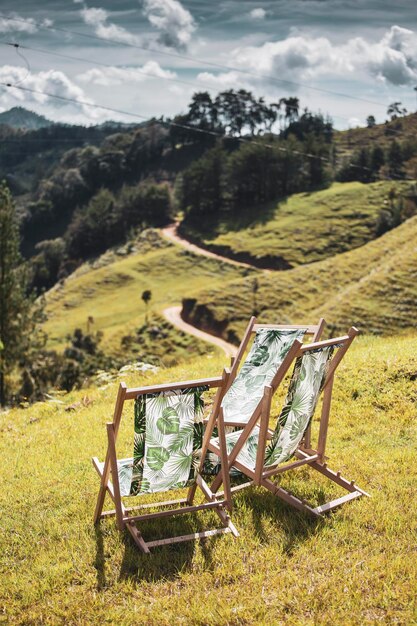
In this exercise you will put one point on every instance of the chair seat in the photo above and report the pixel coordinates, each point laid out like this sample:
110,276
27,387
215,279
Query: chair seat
124,470
247,455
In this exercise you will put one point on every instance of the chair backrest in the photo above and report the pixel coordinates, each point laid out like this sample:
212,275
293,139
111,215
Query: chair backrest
314,368
261,364
315,330
270,346
168,432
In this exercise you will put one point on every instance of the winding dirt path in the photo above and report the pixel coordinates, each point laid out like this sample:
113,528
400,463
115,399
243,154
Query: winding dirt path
173,316
171,232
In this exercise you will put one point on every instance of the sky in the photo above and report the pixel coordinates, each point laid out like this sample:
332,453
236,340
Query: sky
145,58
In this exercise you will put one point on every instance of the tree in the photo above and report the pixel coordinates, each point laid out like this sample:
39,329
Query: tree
146,297
19,313
377,159
291,107
395,109
395,160
370,121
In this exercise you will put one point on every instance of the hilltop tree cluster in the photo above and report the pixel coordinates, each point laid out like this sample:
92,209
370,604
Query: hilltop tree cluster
232,113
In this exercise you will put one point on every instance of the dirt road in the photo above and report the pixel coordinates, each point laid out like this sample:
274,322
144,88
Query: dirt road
171,232
173,315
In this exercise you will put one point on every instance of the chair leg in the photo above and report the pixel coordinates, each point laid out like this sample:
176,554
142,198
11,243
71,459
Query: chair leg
302,505
290,498
137,537
350,486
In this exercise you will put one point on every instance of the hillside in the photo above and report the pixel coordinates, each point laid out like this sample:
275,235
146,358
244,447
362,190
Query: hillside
19,117
303,228
353,567
110,288
373,287
402,128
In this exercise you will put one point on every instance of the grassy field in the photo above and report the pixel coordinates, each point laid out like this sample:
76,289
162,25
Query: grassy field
347,141
110,289
357,566
306,227
373,287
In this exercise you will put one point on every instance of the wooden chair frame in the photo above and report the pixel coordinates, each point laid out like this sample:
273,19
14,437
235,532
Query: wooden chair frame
305,454
126,516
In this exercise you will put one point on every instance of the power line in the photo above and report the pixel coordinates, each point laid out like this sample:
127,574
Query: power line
183,126
165,122
146,74
197,60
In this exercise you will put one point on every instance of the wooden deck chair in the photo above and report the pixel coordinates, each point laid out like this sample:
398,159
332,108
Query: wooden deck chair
168,433
270,346
257,452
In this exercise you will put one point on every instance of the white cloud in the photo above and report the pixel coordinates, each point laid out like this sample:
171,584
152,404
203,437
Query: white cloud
392,59
258,14
98,19
15,23
124,75
175,22
53,82
354,122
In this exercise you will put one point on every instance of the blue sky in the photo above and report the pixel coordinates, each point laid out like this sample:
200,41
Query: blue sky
139,53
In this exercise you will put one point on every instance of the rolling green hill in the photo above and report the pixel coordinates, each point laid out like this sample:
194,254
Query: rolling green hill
373,287
110,288
304,228
353,567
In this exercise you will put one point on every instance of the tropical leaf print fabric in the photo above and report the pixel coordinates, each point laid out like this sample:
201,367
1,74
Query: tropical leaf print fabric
306,382
303,393
264,358
168,432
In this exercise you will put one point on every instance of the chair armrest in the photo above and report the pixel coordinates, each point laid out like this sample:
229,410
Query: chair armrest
185,384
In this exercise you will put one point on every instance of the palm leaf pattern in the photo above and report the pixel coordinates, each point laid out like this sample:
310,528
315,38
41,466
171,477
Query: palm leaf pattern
168,433
306,383
262,362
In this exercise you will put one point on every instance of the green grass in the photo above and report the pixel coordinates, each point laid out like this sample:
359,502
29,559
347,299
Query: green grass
110,289
306,227
373,287
357,566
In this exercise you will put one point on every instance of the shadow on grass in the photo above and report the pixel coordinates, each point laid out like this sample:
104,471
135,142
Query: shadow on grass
232,220
99,562
167,562
164,562
294,526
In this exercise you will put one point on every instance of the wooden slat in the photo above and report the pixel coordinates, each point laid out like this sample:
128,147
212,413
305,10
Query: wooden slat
323,344
185,384
310,329
115,475
262,433
150,505
137,538
193,536
323,508
237,488
284,468
337,478
241,351
117,415
169,512
288,497
319,330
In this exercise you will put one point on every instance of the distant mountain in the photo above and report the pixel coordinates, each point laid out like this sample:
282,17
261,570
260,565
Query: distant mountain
18,117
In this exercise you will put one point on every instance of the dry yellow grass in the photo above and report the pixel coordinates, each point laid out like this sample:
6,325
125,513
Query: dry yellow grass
357,566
